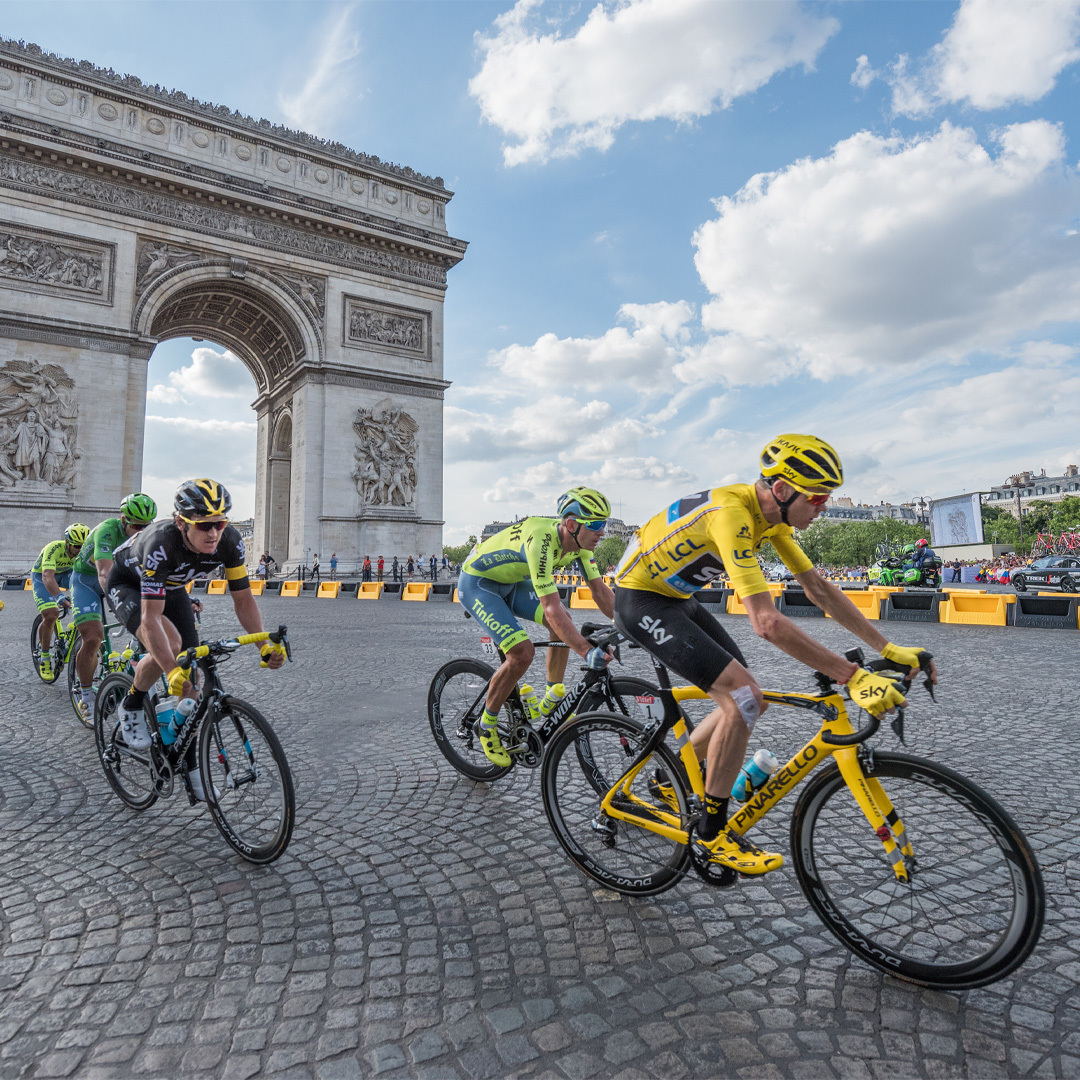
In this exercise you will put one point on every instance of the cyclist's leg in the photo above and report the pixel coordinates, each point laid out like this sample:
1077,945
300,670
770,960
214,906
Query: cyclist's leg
48,609
86,598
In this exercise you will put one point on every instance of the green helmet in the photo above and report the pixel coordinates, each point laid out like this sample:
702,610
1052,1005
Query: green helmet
584,503
909,549
138,508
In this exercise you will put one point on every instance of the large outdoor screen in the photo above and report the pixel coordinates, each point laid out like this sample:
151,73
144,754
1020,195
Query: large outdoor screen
956,520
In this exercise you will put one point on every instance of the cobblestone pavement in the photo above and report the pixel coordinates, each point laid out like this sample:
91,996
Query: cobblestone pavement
422,925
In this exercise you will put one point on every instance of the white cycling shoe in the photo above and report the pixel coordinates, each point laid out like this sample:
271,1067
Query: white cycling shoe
134,729
198,789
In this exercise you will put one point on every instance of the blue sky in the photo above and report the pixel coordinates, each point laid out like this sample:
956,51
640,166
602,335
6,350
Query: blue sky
692,225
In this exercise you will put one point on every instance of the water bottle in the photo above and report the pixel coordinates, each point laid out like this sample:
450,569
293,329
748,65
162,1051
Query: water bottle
754,775
166,711
528,699
552,696
184,708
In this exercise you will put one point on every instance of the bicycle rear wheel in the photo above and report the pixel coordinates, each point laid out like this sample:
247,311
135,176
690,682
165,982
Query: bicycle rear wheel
249,788
455,701
974,907
57,650
100,671
584,759
128,771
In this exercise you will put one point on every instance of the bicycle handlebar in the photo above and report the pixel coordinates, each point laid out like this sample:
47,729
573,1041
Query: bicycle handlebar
228,645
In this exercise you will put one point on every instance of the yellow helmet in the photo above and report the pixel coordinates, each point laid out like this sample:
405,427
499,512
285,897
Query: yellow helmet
76,534
803,461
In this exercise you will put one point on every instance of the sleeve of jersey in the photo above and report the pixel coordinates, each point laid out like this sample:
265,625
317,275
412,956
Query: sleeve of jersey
737,551
235,569
150,586
791,555
541,554
588,566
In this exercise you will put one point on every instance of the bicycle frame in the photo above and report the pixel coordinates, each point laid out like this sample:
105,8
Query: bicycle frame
835,738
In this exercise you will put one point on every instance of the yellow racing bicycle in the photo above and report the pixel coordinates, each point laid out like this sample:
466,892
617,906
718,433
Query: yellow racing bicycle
915,868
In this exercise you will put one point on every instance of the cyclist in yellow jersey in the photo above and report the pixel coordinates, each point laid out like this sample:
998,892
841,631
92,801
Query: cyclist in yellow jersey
50,576
512,575
694,540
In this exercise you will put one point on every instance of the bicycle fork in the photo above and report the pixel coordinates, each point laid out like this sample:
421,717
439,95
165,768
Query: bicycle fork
880,813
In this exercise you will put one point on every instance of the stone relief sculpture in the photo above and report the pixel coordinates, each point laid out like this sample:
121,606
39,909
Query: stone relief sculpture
386,328
154,259
38,425
385,473
310,291
36,261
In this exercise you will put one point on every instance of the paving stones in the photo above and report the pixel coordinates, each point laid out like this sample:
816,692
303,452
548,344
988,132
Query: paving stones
422,925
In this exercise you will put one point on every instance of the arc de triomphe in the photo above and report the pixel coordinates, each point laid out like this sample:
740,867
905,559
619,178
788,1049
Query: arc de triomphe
131,214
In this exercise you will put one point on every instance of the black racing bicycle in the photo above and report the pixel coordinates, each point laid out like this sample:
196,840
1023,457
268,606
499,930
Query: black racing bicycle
246,778
458,692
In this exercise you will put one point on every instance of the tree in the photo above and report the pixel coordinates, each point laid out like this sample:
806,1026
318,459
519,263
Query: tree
457,553
608,552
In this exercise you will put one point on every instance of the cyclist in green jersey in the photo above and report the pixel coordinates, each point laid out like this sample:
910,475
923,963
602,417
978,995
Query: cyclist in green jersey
512,574
49,577
88,577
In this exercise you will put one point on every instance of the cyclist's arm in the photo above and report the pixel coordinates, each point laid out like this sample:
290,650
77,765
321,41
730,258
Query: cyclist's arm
48,579
247,611
103,566
604,597
833,602
777,629
558,619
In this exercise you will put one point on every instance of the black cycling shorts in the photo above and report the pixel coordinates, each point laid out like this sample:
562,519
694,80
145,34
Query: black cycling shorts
124,593
680,633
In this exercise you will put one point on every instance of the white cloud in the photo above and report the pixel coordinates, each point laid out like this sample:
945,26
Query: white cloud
889,251
995,53
639,357
320,100
864,74
210,374
635,60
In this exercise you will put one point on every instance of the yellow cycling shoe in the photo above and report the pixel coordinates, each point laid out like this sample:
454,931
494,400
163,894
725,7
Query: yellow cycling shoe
492,746
736,852
45,667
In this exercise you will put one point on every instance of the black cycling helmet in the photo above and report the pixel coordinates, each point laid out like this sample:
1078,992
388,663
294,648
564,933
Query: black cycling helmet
201,499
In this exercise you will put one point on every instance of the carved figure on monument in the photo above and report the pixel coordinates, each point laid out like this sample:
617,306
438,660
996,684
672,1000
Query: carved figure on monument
385,473
31,260
310,290
38,425
155,259
385,328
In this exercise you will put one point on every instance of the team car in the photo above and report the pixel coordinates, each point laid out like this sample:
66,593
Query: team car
1050,572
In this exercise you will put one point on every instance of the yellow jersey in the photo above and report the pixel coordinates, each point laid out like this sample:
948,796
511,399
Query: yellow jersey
696,539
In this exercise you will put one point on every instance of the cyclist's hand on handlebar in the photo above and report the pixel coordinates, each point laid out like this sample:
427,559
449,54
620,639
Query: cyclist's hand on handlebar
179,679
273,656
874,693
596,659
912,659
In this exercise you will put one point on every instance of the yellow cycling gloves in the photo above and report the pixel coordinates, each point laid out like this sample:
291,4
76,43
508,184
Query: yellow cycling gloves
270,649
908,658
874,693
177,677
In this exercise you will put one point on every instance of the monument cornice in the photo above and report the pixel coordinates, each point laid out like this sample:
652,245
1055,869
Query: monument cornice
81,74
338,375
77,335
187,212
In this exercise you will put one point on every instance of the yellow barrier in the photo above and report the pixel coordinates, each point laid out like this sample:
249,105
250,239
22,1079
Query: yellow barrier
258,587
976,609
369,590
292,588
1058,594
734,601
416,590
29,585
582,597
328,589
454,599
189,585
216,587
868,603
959,588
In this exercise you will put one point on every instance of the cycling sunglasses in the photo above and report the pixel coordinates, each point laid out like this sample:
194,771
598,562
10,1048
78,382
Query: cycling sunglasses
817,500
205,526
594,526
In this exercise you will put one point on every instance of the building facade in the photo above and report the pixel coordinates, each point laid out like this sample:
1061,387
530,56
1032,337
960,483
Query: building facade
1027,487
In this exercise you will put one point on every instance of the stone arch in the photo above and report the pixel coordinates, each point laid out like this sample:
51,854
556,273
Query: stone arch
279,485
244,309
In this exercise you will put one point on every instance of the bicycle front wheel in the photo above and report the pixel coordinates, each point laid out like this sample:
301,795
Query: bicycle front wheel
583,761
56,650
455,701
249,788
128,771
973,908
